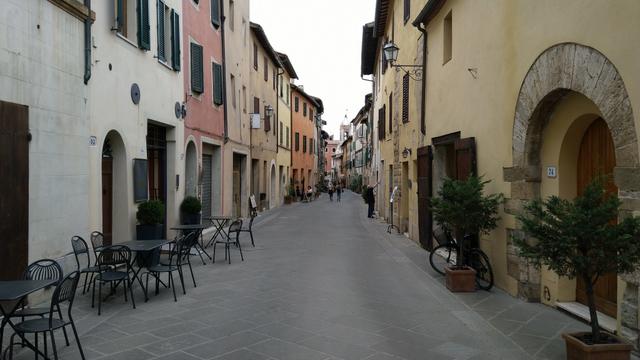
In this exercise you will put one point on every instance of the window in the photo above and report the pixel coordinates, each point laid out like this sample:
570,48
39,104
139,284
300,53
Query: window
296,141
280,80
256,105
267,121
304,143
448,39
288,95
281,133
168,36
215,13
232,14
390,113
333,150
274,78
233,91
407,10
296,104
383,60
405,98
310,114
131,24
217,84
304,109
266,69
255,57
381,123
244,99
197,73
288,137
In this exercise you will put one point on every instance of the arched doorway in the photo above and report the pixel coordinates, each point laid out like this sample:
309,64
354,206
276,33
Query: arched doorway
191,170
597,158
114,188
272,197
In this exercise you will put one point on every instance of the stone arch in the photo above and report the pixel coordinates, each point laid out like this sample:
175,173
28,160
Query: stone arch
558,71
116,226
191,169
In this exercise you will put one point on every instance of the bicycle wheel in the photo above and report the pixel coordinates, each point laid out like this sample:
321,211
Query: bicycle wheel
443,256
484,273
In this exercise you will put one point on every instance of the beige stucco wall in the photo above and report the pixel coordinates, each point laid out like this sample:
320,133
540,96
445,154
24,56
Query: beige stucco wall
113,110
500,53
283,157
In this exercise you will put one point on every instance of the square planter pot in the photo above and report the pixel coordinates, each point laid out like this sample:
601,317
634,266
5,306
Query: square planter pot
460,279
577,350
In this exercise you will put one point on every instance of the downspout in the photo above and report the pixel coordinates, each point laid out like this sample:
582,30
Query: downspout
423,110
224,77
87,43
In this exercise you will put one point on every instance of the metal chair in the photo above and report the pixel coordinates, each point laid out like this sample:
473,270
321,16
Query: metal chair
234,228
109,260
80,249
249,228
97,241
190,241
64,293
180,249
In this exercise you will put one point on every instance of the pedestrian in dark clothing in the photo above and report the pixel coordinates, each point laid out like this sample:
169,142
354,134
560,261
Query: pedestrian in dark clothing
371,201
299,193
330,191
339,192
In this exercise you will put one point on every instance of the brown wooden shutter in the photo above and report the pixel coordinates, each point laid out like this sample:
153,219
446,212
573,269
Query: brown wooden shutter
266,69
391,113
405,98
255,56
256,105
465,150
267,121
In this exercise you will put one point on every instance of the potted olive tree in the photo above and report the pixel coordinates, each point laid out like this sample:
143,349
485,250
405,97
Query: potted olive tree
462,207
150,217
190,210
583,239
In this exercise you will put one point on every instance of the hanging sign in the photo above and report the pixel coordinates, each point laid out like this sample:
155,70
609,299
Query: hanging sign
255,121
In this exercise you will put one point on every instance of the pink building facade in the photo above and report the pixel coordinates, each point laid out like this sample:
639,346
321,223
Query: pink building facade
204,102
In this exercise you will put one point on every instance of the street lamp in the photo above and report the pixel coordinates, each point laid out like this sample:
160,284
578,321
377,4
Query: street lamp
268,111
390,51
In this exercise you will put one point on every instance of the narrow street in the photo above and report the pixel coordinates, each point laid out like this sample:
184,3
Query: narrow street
324,282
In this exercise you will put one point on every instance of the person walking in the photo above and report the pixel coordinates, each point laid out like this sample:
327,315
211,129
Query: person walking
330,191
371,201
339,192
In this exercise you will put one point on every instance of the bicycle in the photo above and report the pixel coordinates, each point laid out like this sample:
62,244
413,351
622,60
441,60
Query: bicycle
446,254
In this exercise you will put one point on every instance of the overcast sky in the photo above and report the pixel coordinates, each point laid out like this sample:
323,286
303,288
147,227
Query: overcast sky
323,41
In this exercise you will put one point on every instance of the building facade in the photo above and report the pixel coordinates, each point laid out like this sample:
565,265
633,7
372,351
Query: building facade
285,76
304,139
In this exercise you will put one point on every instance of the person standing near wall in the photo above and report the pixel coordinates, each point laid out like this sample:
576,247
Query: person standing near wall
330,191
371,201
339,192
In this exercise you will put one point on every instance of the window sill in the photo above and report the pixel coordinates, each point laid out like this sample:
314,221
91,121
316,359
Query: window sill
165,64
126,39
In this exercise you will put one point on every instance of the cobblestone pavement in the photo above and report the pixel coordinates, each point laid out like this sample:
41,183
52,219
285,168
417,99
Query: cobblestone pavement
323,282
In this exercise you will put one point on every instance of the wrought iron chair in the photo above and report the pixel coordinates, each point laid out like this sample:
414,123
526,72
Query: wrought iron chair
110,259
181,249
190,241
234,228
249,228
80,249
64,293
97,241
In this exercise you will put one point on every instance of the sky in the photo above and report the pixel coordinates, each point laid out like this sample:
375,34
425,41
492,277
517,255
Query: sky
323,40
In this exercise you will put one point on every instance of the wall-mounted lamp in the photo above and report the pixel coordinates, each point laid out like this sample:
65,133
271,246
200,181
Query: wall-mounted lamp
390,51
406,153
268,111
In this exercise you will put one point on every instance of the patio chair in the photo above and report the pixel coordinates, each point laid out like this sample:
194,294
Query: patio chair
97,241
234,228
80,249
64,293
180,249
110,259
249,228
189,241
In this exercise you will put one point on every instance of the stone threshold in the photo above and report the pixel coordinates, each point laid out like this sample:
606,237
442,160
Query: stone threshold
582,312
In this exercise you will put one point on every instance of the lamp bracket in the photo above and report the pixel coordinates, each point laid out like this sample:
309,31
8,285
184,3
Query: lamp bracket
414,71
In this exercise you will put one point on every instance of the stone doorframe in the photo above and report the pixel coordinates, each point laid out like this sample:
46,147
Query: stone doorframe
559,70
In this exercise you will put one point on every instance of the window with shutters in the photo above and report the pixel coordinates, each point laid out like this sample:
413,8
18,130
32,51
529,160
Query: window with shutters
176,40
407,10
304,109
287,138
165,35
244,99
256,105
215,13
197,69
304,143
310,113
391,113
233,90
267,121
218,98
296,141
405,98
255,56
280,81
266,69
274,78
296,104
132,22
381,124
281,134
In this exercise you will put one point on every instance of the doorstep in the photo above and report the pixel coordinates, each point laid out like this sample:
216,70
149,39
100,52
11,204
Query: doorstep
582,311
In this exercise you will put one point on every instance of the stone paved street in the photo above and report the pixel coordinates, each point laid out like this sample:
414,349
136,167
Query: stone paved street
324,282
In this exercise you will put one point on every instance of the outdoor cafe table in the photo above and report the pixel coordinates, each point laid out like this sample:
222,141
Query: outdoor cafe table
198,228
11,295
219,222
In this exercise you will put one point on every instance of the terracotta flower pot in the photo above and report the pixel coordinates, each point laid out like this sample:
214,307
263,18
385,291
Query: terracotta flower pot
460,279
578,350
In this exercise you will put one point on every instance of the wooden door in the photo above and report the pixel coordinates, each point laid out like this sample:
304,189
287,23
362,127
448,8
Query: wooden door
107,199
425,221
597,158
465,157
14,190
207,185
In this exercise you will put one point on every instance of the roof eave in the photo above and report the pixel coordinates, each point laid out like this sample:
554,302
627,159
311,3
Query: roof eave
429,10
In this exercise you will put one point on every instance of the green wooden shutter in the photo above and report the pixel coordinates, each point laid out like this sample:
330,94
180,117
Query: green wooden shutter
119,15
215,13
197,73
217,84
175,41
144,29
161,50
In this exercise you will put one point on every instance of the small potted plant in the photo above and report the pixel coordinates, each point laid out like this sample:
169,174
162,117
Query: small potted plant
150,217
190,210
583,239
462,207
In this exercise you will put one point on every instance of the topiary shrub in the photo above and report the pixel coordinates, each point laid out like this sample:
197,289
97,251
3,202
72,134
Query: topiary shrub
191,205
150,212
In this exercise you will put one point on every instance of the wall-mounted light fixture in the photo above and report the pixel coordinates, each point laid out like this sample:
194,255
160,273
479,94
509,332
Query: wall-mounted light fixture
390,51
406,153
268,111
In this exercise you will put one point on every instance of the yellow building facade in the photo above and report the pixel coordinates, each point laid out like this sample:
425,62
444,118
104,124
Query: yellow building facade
543,89
283,158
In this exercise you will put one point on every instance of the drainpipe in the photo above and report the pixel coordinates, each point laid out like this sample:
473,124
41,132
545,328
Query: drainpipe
423,111
224,77
87,43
